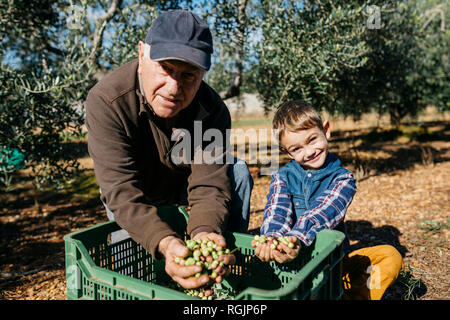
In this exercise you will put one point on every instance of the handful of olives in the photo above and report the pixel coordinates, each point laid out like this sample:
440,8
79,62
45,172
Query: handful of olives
204,253
274,243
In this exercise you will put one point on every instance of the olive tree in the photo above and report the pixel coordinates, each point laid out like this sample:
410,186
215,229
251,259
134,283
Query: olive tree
354,57
304,48
406,68
52,52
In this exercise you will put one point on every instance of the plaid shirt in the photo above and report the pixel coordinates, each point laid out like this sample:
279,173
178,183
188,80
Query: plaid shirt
325,211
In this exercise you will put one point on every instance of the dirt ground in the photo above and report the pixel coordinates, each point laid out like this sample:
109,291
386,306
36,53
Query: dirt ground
403,199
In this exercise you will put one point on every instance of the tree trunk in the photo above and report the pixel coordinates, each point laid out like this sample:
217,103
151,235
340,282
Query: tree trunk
37,205
396,116
236,81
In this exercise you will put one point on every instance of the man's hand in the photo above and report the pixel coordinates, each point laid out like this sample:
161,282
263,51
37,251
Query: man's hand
227,259
171,247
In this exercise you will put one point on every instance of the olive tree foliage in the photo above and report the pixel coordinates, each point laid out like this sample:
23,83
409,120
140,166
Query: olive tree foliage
434,42
407,66
43,74
304,48
52,53
232,23
354,57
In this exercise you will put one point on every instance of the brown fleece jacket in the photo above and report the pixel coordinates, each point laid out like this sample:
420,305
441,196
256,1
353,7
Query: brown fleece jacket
131,149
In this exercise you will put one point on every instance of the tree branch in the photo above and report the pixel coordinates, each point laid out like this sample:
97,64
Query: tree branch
433,12
100,25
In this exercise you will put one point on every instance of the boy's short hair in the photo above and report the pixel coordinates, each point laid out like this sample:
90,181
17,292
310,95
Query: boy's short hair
294,116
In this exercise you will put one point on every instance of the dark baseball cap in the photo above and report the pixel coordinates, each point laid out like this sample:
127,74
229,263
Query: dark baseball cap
180,35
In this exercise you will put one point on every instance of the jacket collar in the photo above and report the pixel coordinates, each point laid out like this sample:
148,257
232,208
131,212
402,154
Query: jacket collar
331,164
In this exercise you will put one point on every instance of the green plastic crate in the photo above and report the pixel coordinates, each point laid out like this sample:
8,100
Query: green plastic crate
94,272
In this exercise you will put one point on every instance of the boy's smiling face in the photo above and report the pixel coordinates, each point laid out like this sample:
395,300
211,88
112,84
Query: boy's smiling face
308,147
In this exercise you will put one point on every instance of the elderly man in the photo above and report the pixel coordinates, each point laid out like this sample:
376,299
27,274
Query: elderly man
134,117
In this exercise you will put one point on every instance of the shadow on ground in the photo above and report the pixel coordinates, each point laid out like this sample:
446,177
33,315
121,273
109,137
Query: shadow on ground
421,146
31,241
419,133
366,235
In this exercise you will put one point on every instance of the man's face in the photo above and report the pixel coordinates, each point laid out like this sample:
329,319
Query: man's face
169,86
308,147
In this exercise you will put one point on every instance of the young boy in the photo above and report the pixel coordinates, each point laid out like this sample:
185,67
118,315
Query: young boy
312,192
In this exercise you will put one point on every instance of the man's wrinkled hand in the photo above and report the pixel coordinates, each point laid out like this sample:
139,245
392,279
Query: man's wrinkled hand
172,247
219,240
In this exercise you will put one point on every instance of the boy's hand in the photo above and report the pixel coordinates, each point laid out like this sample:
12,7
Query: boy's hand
284,253
264,252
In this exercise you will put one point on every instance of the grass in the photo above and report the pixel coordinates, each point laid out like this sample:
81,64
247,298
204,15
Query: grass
83,187
432,233
434,226
257,122
413,287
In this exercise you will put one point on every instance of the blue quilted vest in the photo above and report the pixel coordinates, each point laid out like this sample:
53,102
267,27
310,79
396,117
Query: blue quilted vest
306,185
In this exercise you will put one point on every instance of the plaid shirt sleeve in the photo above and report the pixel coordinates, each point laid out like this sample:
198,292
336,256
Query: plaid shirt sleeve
278,213
327,210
